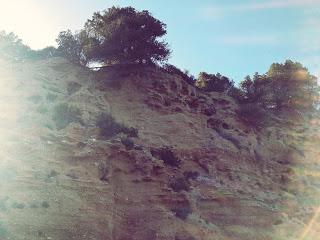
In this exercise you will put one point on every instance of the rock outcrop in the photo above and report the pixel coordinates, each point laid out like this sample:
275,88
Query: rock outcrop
142,155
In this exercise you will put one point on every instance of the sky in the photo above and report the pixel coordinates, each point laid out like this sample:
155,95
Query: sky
233,37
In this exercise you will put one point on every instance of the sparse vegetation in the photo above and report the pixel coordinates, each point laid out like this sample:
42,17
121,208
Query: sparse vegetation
51,97
182,211
179,184
45,204
109,127
73,87
191,175
42,109
253,114
167,156
64,114
127,142
184,75
11,46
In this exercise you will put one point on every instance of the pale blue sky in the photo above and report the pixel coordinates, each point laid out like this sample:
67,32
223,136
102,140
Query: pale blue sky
234,38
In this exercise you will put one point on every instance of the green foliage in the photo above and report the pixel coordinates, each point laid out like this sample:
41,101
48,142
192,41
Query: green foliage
167,156
109,127
125,35
70,47
117,35
51,97
64,114
12,47
213,82
293,86
253,114
284,86
184,75
44,53
237,94
45,204
179,184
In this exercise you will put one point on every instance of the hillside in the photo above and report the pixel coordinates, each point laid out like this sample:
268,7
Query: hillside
172,163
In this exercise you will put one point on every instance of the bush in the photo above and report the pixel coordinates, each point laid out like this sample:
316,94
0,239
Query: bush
167,156
127,142
64,114
179,184
213,82
109,127
182,211
12,47
253,114
184,75
236,94
191,175
51,97
44,53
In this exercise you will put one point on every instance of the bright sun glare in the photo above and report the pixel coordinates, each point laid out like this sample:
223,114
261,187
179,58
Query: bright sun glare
28,20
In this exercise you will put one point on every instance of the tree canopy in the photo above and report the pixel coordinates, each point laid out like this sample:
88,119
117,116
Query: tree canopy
284,86
11,45
70,47
117,35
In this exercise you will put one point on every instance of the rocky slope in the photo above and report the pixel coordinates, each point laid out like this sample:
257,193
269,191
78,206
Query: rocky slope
171,163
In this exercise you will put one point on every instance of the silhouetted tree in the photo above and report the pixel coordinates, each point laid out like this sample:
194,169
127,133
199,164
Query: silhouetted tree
11,46
70,46
284,86
124,35
293,86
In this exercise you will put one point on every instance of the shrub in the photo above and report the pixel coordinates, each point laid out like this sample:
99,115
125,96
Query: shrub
12,47
73,87
213,82
132,132
44,53
109,127
236,94
179,184
127,142
252,114
167,156
182,211
191,175
184,75
64,114
51,97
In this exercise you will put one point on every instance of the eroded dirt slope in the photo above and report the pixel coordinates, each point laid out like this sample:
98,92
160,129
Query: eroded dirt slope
187,168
